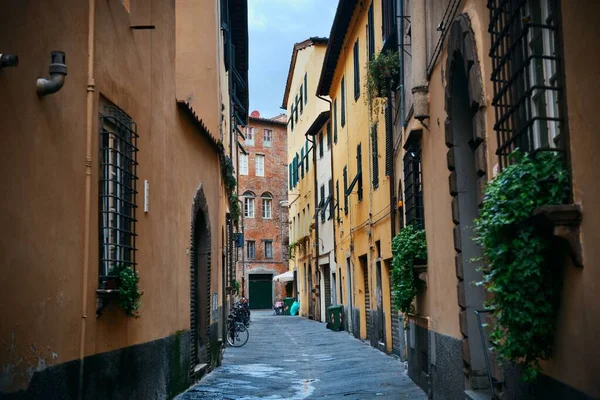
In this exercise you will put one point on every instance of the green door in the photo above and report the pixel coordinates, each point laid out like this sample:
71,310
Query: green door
261,291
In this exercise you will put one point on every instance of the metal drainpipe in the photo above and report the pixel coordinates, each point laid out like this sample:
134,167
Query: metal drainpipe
91,87
8,60
316,184
420,89
58,72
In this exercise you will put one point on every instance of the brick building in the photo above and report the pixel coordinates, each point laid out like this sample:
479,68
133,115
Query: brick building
263,192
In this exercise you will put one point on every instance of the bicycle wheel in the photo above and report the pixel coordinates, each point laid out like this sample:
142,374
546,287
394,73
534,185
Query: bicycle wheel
239,337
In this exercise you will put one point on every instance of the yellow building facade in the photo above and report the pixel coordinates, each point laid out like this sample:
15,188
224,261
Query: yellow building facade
304,109
362,226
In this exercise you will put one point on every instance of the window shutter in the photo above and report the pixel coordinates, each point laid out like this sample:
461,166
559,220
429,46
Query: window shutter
335,121
359,170
307,157
356,71
290,176
371,33
224,15
345,189
330,199
337,197
322,203
343,105
388,140
305,87
302,166
375,153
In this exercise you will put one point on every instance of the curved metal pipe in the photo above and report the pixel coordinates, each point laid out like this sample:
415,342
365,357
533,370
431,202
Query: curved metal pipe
58,72
8,60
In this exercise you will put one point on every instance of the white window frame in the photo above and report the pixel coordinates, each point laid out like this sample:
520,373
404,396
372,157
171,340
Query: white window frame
268,243
253,247
249,206
259,164
249,136
268,138
267,207
243,164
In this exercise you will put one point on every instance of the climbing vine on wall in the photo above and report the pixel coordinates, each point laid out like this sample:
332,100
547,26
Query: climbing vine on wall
382,75
525,288
408,246
228,173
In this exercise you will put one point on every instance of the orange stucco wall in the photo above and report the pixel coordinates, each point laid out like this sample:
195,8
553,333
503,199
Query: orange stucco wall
43,156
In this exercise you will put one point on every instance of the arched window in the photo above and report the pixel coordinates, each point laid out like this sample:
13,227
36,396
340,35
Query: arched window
249,204
267,205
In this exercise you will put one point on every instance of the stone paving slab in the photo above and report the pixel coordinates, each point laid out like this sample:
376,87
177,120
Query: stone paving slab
295,358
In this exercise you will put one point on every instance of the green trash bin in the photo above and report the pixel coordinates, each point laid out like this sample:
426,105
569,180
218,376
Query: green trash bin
287,302
336,317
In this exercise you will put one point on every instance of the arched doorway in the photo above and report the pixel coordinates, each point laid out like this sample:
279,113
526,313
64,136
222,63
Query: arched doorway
200,266
465,137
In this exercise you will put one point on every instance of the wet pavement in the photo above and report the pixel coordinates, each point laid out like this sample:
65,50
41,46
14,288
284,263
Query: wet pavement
296,358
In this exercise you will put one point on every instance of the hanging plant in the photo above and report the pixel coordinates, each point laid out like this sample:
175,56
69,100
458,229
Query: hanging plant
235,208
382,76
235,286
408,246
517,271
129,293
292,249
228,173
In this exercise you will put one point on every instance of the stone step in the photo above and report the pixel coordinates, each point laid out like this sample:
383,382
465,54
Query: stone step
478,394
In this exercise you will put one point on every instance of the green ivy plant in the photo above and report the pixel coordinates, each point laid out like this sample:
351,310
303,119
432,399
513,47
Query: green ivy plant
235,285
526,292
235,208
382,74
129,292
292,249
408,245
227,171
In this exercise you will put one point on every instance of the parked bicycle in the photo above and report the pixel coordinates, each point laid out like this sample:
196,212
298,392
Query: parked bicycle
237,333
243,311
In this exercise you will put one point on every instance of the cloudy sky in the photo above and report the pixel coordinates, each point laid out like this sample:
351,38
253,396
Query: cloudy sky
274,27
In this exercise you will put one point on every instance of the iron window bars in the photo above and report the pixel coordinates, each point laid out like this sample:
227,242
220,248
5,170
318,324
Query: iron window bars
413,187
525,74
118,190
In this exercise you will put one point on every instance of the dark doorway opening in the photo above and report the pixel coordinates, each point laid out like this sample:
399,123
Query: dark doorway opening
200,290
260,288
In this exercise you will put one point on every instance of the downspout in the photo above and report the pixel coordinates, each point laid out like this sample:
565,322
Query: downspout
420,90
91,88
317,211
58,72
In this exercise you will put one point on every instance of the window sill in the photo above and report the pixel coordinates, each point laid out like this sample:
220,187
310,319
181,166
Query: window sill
420,271
563,221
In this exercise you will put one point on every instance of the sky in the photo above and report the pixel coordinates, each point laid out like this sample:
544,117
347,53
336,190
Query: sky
274,27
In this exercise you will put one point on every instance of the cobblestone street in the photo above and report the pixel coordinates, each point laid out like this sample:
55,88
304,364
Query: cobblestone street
295,358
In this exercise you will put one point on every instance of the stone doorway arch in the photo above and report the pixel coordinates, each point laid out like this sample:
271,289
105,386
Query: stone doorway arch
466,159
200,282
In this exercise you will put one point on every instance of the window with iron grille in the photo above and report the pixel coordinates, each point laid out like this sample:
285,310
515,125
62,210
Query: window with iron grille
371,32
375,154
345,189
118,190
335,121
413,187
356,71
526,77
343,105
359,170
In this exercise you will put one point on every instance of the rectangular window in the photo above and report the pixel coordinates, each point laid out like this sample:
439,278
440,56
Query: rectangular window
388,20
375,153
345,189
243,164
268,138
335,138
305,87
328,135
302,162
359,171
337,197
356,71
321,144
249,136
371,32
330,199
413,188
249,207
268,249
260,165
290,176
526,75
301,102
343,105
322,203
118,177
250,249
266,207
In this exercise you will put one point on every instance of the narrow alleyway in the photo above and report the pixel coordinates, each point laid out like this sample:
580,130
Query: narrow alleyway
295,358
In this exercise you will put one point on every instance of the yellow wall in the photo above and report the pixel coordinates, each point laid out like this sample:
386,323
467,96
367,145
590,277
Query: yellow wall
371,215
301,198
